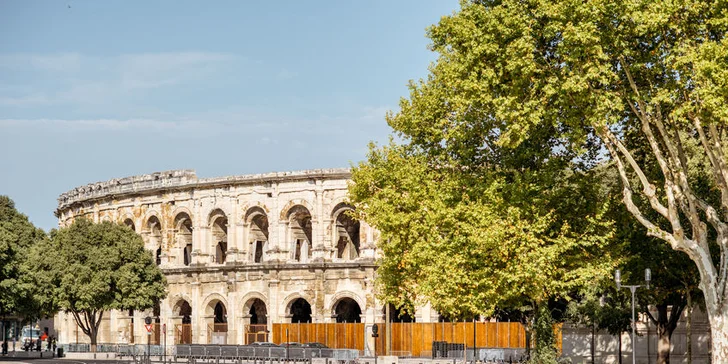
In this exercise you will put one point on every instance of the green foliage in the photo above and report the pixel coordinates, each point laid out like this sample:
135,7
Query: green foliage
17,236
89,268
468,242
99,267
545,351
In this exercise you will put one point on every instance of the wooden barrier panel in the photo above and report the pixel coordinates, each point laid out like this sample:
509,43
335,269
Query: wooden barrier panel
408,339
333,335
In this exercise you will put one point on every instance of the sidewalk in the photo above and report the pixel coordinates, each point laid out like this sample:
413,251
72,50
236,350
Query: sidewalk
28,354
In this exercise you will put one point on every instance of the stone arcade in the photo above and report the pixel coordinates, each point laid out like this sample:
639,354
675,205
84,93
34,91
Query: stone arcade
240,253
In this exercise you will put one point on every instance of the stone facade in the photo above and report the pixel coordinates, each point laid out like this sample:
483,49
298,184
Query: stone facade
236,251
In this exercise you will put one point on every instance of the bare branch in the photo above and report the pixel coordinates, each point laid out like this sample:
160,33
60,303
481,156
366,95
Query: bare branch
720,174
648,189
722,167
652,229
80,322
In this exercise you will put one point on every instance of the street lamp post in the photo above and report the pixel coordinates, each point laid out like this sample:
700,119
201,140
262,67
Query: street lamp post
633,289
148,321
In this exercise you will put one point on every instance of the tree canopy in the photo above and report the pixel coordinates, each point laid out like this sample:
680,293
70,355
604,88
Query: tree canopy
544,86
17,236
90,268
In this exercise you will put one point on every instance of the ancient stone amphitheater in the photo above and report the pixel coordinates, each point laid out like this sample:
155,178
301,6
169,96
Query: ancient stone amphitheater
240,253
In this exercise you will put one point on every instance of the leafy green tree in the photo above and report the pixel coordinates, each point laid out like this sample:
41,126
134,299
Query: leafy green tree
470,241
17,235
90,268
508,70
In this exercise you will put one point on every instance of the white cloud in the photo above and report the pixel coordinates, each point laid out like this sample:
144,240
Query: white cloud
110,124
59,62
84,80
285,74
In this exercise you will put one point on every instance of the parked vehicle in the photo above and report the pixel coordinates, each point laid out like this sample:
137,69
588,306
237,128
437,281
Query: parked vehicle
29,338
291,345
265,344
315,346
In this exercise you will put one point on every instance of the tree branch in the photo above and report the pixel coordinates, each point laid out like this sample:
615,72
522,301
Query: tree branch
711,149
80,322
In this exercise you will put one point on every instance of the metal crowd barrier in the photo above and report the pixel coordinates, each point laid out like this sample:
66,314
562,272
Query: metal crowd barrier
140,350
253,352
86,348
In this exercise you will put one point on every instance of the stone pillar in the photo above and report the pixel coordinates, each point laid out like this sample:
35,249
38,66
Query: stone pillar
198,235
202,233
232,233
246,255
232,311
114,329
197,313
273,309
96,213
284,241
275,230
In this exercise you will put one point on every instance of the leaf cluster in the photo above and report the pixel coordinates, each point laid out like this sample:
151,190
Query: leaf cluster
96,267
17,236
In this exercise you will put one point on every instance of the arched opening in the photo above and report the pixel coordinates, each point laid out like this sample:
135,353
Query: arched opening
183,326
300,311
300,232
183,237
398,315
257,234
153,233
185,312
130,224
217,323
258,313
347,310
256,330
218,230
346,233
220,313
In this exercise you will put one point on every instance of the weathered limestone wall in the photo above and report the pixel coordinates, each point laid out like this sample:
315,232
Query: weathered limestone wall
310,249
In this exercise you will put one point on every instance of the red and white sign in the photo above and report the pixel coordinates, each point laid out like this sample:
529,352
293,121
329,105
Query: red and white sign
149,329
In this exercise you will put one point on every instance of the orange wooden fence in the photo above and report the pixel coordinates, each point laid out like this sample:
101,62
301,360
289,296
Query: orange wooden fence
413,339
333,335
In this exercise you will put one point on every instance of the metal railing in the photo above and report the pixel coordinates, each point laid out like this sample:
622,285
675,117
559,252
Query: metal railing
142,350
253,352
86,348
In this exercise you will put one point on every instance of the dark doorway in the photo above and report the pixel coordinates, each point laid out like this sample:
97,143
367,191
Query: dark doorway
220,313
301,311
258,313
347,310
185,311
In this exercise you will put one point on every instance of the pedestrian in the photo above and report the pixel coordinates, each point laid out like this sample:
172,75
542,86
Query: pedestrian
5,347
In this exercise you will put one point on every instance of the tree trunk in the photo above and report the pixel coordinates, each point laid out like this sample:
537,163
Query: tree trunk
663,345
89,323
664,326
619,345
93,336
688,328
719,334
593,333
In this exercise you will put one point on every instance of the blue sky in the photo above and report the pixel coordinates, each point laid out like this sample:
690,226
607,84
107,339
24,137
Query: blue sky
94,90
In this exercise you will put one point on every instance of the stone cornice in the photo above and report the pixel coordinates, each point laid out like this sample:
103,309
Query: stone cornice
276,266
182,179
